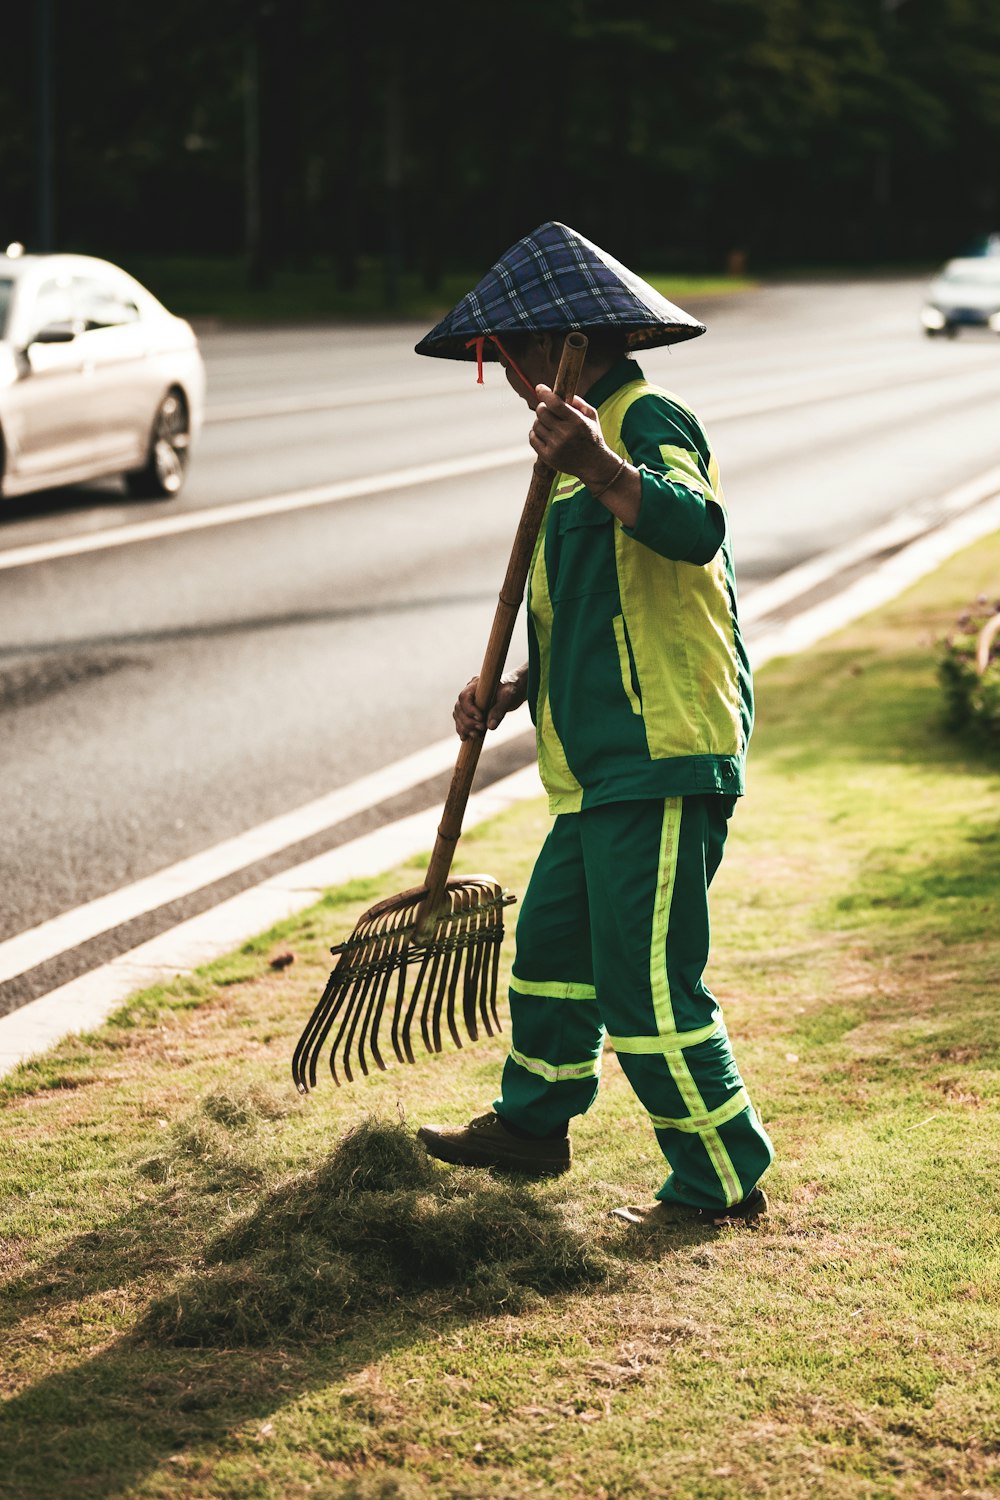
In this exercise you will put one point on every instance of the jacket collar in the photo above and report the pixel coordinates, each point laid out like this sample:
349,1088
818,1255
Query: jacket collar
623,372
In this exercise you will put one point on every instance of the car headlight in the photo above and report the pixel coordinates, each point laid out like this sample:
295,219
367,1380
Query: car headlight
994,321
932,317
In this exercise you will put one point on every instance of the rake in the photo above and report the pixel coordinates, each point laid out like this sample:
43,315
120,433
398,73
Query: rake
430,956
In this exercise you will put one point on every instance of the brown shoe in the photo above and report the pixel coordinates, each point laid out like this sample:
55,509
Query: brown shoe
668,1215
485,1143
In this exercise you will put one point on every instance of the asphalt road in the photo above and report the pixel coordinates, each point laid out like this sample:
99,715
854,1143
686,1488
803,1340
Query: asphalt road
159,697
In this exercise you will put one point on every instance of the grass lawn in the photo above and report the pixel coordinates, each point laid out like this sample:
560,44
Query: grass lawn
211,1292
207,287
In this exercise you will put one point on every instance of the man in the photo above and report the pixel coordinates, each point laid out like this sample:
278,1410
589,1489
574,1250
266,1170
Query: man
640,692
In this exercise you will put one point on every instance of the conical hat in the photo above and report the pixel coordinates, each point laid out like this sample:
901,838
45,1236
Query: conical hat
555,280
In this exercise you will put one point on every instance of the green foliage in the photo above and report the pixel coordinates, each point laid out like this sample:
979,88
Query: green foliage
791,129
972,700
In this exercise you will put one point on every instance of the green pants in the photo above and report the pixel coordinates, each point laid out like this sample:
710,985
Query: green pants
613,935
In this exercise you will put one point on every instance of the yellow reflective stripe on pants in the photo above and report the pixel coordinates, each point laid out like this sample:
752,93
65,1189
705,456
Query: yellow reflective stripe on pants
710,1138
696,1124
662,1044
557,1072
666,870
663,1010
553,989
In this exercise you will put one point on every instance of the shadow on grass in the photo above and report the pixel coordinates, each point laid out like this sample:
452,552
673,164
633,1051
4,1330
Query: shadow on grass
374,1249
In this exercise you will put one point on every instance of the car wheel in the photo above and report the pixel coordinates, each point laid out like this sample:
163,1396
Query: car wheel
950,330
169,446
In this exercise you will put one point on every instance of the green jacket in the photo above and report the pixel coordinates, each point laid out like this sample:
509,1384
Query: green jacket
638,680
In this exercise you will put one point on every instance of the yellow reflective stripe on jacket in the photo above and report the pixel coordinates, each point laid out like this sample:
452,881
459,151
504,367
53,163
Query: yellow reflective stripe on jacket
553,989
709,1120
565,487
558,1072
688,685
565,792
682,467
618,625
688,678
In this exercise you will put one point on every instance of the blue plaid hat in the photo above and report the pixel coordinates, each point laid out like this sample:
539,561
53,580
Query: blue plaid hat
555,280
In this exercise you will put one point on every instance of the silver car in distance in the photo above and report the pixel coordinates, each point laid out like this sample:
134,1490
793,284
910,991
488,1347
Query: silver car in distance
96,378
965,294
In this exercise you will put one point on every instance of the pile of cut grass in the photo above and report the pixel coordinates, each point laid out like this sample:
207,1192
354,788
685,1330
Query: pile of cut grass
374,1224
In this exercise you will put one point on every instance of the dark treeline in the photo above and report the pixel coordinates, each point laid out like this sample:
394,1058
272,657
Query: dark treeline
807,131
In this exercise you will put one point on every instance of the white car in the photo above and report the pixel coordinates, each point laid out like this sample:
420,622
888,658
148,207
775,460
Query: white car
96,378
965,294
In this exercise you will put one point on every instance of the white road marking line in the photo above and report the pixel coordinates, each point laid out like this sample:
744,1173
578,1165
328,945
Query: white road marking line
267,505
36,945
333,400
885,581
912,522
775,385
399,479
803,393
87,1001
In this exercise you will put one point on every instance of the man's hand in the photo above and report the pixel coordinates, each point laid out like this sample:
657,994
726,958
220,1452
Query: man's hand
511,693
567,436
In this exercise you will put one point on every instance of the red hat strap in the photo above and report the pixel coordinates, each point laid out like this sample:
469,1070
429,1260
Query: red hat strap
478,344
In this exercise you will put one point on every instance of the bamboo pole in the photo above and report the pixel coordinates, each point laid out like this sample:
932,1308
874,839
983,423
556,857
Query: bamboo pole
574,352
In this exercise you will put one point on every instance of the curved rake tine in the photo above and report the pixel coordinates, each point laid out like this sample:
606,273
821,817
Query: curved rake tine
335,990
358,998
397,1011
473,980
339,1055
464,938
382,970
479,1001
377,945
411,1008
488,993
391,958
487,916
483,993
302,1046
383,992
457,972
447,938
494,977
353,980
430,983
319,1023
386,941
444,987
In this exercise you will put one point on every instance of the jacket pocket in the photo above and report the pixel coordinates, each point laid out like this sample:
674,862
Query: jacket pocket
582,510
627,666
582,558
